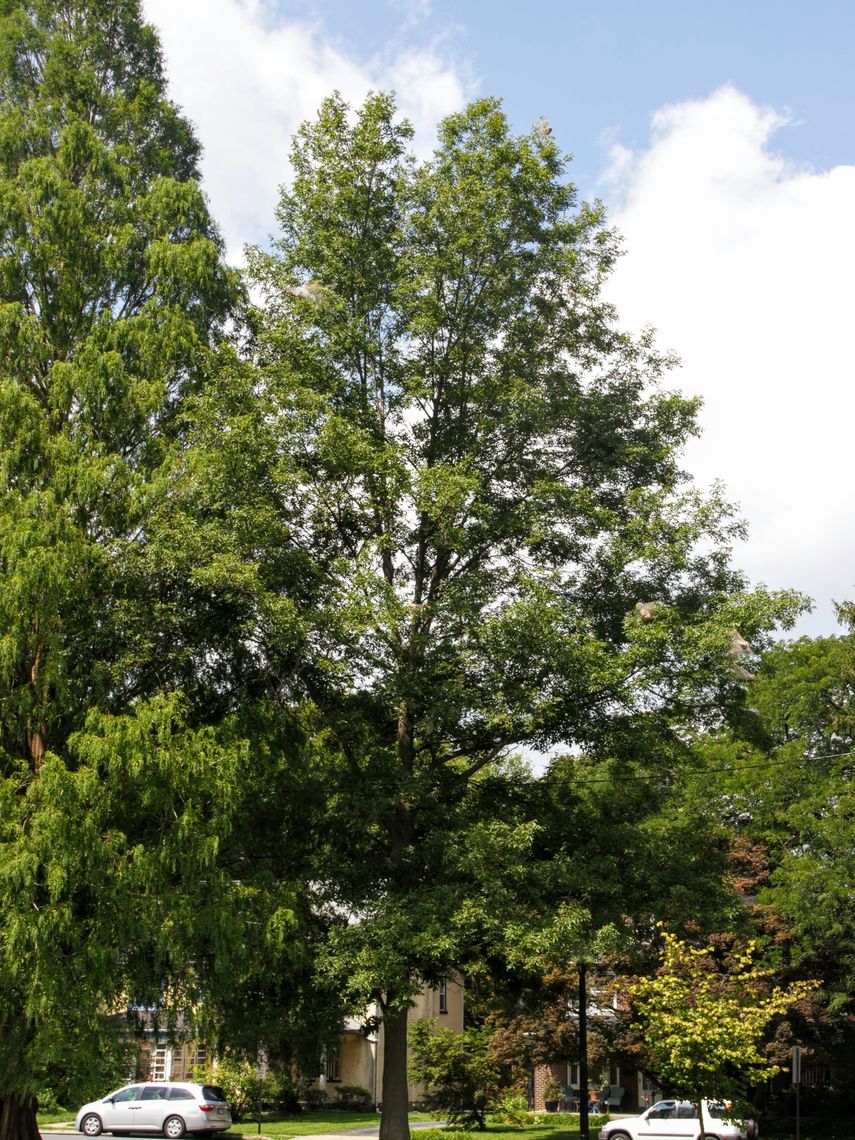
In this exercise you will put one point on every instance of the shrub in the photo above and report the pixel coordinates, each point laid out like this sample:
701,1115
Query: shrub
352,1097
48,1102
552,1091
314,1096
513,1109
245,1090
457,1069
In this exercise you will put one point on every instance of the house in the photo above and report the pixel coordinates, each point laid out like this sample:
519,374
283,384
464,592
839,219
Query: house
163,1056
358,1059
614,1079
638,1090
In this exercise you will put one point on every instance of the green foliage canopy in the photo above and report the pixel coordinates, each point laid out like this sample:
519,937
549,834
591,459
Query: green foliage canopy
781,782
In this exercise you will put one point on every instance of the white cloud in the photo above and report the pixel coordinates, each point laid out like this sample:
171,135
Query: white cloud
247,78
744,263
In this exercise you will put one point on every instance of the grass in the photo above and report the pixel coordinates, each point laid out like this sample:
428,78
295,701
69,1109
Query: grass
542,1128
306,1124
60,1116
314,1122
559,1126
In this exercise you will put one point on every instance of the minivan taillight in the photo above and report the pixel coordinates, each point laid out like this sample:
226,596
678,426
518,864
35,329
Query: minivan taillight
207,1107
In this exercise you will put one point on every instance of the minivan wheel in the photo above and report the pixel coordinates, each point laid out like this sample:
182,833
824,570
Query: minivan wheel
174,1127
91,1124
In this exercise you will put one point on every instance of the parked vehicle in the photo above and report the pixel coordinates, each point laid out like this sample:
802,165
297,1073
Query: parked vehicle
678,1120
170,1107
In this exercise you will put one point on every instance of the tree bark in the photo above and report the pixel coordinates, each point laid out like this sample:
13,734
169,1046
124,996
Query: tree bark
394,1121
18,1117
699,1105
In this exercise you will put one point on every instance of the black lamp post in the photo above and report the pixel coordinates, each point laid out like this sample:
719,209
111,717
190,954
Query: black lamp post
583,1054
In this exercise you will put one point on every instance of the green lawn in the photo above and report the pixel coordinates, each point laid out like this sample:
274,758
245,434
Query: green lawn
61,1116
314,1122
306,1124
560,1127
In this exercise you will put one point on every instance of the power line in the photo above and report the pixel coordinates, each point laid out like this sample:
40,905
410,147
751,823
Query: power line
710,771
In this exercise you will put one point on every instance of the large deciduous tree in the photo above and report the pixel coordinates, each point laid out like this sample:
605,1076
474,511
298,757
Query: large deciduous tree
476,475
782,784
112,290
803,811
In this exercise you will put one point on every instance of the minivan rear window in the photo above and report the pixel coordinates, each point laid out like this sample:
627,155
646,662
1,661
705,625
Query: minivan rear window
180,1094
213,1092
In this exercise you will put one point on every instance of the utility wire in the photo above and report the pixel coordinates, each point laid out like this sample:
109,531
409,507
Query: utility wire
710,771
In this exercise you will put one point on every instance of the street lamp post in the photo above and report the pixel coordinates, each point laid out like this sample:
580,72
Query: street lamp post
583,1054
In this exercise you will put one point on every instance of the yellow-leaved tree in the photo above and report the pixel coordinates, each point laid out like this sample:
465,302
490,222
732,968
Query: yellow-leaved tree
703,1023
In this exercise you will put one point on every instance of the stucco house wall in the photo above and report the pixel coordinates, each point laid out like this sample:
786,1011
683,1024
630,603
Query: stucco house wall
360,1053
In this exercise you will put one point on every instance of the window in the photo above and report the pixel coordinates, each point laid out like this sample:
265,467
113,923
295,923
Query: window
157,1065
572,1075
664,1110
180,1094
333,1065
442,989
154,1092
127,1094
200,1056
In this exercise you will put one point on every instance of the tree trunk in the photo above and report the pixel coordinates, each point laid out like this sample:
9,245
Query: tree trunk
699,1105
18,1118
394,1121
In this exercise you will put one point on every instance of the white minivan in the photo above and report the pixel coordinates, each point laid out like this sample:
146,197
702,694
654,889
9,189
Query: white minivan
170,1107
678,1120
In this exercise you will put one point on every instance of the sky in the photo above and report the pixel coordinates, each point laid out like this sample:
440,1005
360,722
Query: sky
721,138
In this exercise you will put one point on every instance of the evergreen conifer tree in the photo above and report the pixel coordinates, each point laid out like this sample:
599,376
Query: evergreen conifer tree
112,295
